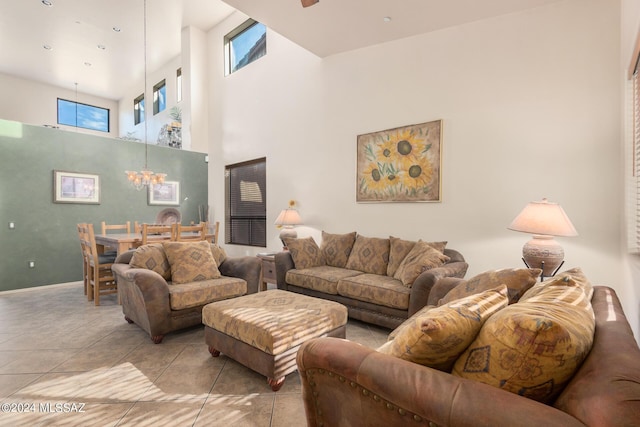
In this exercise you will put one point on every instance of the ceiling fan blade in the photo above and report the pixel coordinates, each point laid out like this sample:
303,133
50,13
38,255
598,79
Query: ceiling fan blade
307,3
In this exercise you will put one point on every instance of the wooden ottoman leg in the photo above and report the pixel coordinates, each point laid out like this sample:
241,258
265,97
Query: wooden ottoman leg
276,383
214,352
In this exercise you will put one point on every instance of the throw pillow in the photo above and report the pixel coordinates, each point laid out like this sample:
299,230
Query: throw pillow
421,258
191,261
369,255
575,273
305,252
152,257
534,347
337,247
218,254
438,336
398,249
518,281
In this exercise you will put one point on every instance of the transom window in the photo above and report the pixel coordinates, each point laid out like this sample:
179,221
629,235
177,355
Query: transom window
71,113
244,45
159,97
138,109
246,203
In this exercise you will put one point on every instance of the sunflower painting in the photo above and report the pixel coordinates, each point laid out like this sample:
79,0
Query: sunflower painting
400,165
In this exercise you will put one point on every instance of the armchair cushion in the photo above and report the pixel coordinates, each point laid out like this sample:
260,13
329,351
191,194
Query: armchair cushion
152,257
305,252
421,258
518,281
191,261
438,336
534,347
369,255
399,249
337,247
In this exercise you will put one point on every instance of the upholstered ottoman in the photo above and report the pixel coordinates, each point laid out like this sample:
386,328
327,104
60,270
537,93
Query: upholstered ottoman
263,331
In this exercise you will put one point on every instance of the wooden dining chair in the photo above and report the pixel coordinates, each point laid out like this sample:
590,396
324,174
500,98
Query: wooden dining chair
122,228
216,230
186,233
100,279
158,232
81,234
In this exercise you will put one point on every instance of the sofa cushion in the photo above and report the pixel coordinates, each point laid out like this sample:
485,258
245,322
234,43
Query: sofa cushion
369,255
421,258
152,257
377,289
518,281
322,279
533,348
337,247
191,261
437,337
218,254
195,294
305,252
399,249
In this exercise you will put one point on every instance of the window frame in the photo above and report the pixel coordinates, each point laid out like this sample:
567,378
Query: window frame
76,125
138,110
179,84
234,35
256,234
159,88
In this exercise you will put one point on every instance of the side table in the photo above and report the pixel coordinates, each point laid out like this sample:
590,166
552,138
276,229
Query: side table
268,270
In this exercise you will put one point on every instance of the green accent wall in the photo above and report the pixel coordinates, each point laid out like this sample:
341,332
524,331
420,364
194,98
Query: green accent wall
45,232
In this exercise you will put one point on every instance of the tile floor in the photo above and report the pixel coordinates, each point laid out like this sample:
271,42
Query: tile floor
60,354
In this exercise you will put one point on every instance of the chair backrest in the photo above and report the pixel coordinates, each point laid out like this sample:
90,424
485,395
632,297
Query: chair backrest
88,243
159,232
198,232
123,228
216,230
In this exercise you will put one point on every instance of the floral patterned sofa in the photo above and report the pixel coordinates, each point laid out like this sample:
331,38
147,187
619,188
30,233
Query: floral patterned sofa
164,286
380,280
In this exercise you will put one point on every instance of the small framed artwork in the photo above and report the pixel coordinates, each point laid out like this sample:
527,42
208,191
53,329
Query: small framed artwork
400,165
76,187
167,193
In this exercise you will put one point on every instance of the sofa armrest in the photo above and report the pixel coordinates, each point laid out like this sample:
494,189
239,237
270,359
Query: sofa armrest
423,285
125,257
284,263
247,268
345,383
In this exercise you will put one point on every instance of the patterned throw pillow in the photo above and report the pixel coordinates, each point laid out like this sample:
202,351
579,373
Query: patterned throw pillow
399,249
152,257
518,281
421,258
369,255
438,336
575,273
191,261
218,254
337,247
305,252
533,348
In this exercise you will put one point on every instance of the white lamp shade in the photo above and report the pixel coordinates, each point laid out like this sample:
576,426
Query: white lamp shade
288,217
543,218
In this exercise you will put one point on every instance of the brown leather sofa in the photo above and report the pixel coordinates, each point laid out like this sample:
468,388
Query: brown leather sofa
347,384
146,296
367,311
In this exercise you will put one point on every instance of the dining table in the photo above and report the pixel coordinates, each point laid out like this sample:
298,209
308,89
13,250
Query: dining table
122,242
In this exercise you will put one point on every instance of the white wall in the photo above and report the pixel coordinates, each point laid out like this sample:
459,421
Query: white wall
35,103
531,104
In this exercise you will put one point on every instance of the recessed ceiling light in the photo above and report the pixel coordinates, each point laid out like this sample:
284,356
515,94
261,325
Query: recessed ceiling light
47,3
101,47
47,47
387,19
88,64
117,29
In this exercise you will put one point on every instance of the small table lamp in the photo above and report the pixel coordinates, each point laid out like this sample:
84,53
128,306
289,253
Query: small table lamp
287,219
544,220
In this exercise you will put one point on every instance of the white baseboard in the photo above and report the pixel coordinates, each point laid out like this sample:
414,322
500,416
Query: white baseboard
39,288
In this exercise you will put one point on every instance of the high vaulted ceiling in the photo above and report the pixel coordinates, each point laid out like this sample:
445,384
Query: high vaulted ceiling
75,28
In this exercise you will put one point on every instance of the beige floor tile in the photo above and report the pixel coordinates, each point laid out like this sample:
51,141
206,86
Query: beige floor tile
253,410
163,413
35,361
9,384
288,410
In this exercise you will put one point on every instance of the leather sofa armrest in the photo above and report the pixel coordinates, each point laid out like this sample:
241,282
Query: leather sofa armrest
247,268
152,287
284,263
442,288
345,383
423,286
125,257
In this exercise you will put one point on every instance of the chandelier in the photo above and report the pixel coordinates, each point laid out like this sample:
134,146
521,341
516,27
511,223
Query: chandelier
146,177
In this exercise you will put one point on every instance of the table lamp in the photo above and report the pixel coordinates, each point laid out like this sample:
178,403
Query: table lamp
287,219
543,220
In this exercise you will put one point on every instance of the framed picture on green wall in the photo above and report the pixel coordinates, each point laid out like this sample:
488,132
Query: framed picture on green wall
76,187
167,194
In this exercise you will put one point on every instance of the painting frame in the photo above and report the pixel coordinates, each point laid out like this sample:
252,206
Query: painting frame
402,164
76,187
165,194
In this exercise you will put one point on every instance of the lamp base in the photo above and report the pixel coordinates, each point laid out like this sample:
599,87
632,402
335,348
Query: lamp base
287,232
545,253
